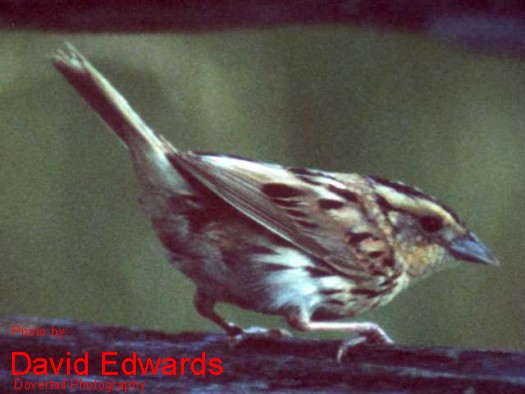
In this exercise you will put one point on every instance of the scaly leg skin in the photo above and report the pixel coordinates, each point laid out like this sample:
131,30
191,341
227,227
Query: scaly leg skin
236,334
367,332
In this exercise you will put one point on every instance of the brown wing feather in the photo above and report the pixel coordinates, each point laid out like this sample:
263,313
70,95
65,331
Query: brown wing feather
285,203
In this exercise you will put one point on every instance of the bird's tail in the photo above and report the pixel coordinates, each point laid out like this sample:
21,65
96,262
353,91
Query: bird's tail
149,151
111,106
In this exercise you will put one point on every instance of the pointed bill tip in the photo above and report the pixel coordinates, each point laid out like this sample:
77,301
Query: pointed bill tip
470,248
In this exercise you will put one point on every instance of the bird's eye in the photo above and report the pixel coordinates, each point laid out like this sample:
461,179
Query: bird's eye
431,223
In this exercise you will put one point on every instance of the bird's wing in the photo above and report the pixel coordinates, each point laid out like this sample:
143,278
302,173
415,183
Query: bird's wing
311,209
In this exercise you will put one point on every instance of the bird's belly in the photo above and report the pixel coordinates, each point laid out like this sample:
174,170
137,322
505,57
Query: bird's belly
239,263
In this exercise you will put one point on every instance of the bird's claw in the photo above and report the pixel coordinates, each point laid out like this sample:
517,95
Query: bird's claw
256,333
369,338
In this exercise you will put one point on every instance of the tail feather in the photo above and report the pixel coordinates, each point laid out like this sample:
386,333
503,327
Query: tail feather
110,105
156,176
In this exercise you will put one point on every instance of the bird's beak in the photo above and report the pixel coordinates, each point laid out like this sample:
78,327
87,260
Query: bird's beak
470,248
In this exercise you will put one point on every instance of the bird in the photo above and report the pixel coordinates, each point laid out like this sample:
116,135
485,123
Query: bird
312,246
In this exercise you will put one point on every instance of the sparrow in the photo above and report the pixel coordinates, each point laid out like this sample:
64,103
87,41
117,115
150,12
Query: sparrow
309,245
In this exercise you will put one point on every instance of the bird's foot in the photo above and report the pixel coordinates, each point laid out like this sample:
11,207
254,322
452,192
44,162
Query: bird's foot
374,337
243,334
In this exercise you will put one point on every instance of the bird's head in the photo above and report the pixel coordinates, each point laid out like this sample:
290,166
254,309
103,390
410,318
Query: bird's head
428,234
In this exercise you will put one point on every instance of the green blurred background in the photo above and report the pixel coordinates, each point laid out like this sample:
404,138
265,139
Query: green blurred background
73,243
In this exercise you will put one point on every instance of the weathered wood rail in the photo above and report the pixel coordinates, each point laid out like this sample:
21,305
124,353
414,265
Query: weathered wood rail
493,26
276,365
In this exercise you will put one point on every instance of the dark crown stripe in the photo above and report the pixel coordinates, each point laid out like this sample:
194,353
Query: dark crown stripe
402,188
413,192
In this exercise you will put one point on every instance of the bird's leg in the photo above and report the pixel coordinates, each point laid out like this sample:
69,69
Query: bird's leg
205,306
236,334
367,332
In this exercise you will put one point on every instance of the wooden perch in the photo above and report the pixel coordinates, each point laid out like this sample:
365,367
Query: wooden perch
282,364
492,26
